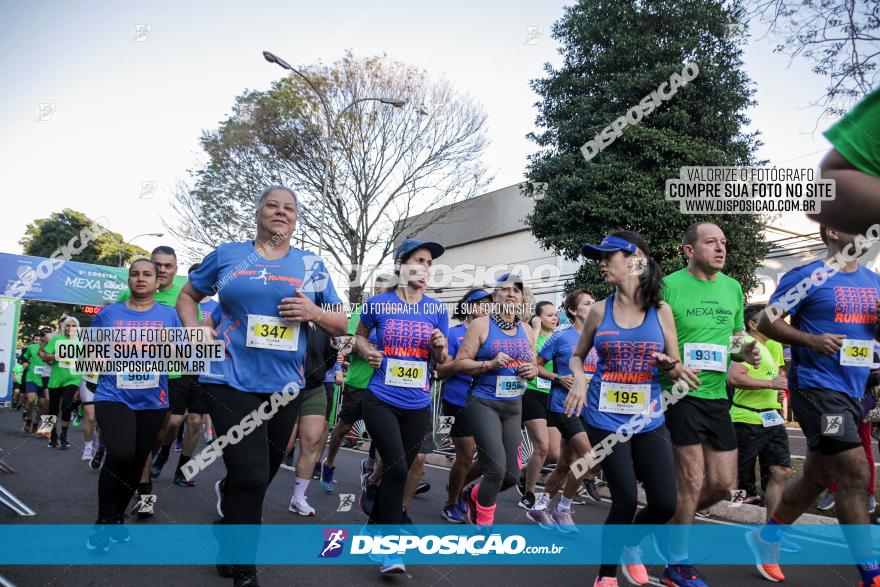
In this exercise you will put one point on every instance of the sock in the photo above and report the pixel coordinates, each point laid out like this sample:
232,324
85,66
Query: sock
485,515
184,459
772,531
300,486
145,488
564,504
162,455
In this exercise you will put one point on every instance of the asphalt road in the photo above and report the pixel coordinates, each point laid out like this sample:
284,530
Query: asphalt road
62,489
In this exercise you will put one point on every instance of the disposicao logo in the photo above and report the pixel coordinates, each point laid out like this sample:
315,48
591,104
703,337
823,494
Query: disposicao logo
334,540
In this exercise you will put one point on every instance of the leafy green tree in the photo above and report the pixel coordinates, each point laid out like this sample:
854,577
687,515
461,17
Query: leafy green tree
44,236
614,55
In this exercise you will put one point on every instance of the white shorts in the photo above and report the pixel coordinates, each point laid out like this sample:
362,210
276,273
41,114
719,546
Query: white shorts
86,396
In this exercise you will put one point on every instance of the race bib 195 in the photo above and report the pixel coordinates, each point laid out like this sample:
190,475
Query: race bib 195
624,398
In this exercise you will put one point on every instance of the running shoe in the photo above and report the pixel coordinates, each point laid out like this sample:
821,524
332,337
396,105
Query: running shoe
564,522
248,579
872,504
88,452
219,488
316,472
98,459
528,501
592,488
392,564
99,541
367,499
766,556
682,576
539,514
53,443
178,446
633,568
424,487
300,505
182,481
875,582
366,471
752,500
77,418
63,443
143,508
452,514
327,476
288,463
605,582
118,531
827,501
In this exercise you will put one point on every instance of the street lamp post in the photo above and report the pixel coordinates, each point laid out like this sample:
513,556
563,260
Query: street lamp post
156,234
331,125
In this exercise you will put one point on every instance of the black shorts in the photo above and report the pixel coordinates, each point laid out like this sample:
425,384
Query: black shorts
187,396
829,419
352,398
770,445
534,405
569,426
694,420
329,388
427,445
460,427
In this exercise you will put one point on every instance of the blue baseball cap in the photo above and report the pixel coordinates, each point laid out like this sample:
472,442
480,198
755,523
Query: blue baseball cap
411,244
609,244
511,277
477,295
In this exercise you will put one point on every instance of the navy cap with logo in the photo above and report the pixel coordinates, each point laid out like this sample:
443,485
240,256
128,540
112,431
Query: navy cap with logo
509,278
477,295
411,244
609,244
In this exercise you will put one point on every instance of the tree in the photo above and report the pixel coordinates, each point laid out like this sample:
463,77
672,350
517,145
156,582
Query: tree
840,37
614,55
385,163
44,236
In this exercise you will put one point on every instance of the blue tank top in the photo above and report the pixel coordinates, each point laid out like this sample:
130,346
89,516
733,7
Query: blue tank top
626,382
455,388
503,384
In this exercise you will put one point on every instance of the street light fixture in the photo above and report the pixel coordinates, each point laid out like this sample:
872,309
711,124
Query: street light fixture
156,234
331,125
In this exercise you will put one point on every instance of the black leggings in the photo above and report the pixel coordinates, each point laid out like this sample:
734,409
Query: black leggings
251,464
496,427
646,457
128,436
397,435
61,399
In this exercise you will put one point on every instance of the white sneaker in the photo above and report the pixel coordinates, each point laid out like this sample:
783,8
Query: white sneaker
88,452
300,505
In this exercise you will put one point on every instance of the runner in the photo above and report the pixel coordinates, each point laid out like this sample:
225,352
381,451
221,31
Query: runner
832,332
498,352
267,291
760,430
707,306
34,390
544,436
63,383
17,372
356,380
476,303
130,417
633,333
410,329
574,443
854,166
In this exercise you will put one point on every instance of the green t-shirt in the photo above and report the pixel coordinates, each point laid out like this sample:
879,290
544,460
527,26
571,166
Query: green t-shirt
17,370
856,136
359,371
31,357
759,399
533,383
706,312
61,376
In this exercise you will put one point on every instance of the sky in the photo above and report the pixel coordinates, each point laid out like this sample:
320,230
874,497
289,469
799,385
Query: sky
102,104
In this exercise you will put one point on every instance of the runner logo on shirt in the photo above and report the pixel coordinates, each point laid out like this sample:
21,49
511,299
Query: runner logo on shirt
407,338
629,361
855,305
518,349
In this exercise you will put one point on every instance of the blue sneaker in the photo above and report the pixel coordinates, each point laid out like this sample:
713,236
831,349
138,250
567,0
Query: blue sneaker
453,514
327,476
367,499
392,563
682,576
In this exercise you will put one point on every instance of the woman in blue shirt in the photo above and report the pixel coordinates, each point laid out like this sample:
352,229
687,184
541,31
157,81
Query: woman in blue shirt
267,291
129,413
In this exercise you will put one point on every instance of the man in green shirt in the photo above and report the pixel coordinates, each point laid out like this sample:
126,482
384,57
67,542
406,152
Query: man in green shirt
33,379
760,430
63,382
854,165
708,309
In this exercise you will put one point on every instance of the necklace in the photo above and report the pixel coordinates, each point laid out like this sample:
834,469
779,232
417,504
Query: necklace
503,324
